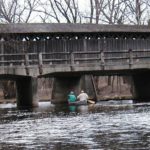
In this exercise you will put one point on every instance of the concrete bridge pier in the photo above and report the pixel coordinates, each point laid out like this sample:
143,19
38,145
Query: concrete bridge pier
27,92
63,85
142,86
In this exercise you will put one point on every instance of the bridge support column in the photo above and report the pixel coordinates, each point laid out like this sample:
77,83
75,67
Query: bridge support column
63,85
27,92
142,86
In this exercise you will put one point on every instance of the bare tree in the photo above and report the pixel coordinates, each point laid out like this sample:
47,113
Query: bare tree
16,11
98,11
136,11
99,6
114,12
118,11
91,11
106,11
60,11
95,11
147,11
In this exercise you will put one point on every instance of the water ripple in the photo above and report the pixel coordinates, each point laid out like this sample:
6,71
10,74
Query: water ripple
87,127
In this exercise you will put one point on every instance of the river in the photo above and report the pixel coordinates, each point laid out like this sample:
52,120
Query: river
112,125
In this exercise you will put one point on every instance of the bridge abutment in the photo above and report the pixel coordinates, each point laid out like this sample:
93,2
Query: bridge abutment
27,92
63,85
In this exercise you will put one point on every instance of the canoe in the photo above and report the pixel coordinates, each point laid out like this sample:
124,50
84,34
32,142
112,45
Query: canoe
82,102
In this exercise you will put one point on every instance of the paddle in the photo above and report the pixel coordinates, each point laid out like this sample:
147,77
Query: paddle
91,101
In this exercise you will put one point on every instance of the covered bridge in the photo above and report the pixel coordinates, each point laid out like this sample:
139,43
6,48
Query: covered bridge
60,50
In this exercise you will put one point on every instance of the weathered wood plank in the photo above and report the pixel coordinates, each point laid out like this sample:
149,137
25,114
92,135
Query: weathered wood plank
70,28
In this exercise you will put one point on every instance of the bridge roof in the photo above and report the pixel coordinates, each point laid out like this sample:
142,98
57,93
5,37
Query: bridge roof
70,28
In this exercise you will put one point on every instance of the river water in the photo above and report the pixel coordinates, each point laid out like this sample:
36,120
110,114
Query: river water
111,125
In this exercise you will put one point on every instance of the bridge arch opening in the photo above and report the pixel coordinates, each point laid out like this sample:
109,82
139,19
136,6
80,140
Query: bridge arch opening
22,88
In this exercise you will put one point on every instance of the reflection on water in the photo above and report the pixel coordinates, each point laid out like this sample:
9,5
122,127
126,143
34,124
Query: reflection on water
109,125
72,108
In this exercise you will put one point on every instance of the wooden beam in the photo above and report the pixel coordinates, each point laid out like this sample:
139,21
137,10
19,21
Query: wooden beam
26,28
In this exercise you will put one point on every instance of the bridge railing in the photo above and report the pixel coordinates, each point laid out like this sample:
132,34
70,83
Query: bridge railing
124,57
55,58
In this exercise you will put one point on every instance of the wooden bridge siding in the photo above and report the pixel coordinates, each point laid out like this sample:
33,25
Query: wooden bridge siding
74,45
117,44
1,52
11,47
126,44
141,44
53,46
92,45
35,50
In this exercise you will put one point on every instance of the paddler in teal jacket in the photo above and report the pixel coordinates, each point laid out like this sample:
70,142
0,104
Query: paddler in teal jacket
71,97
